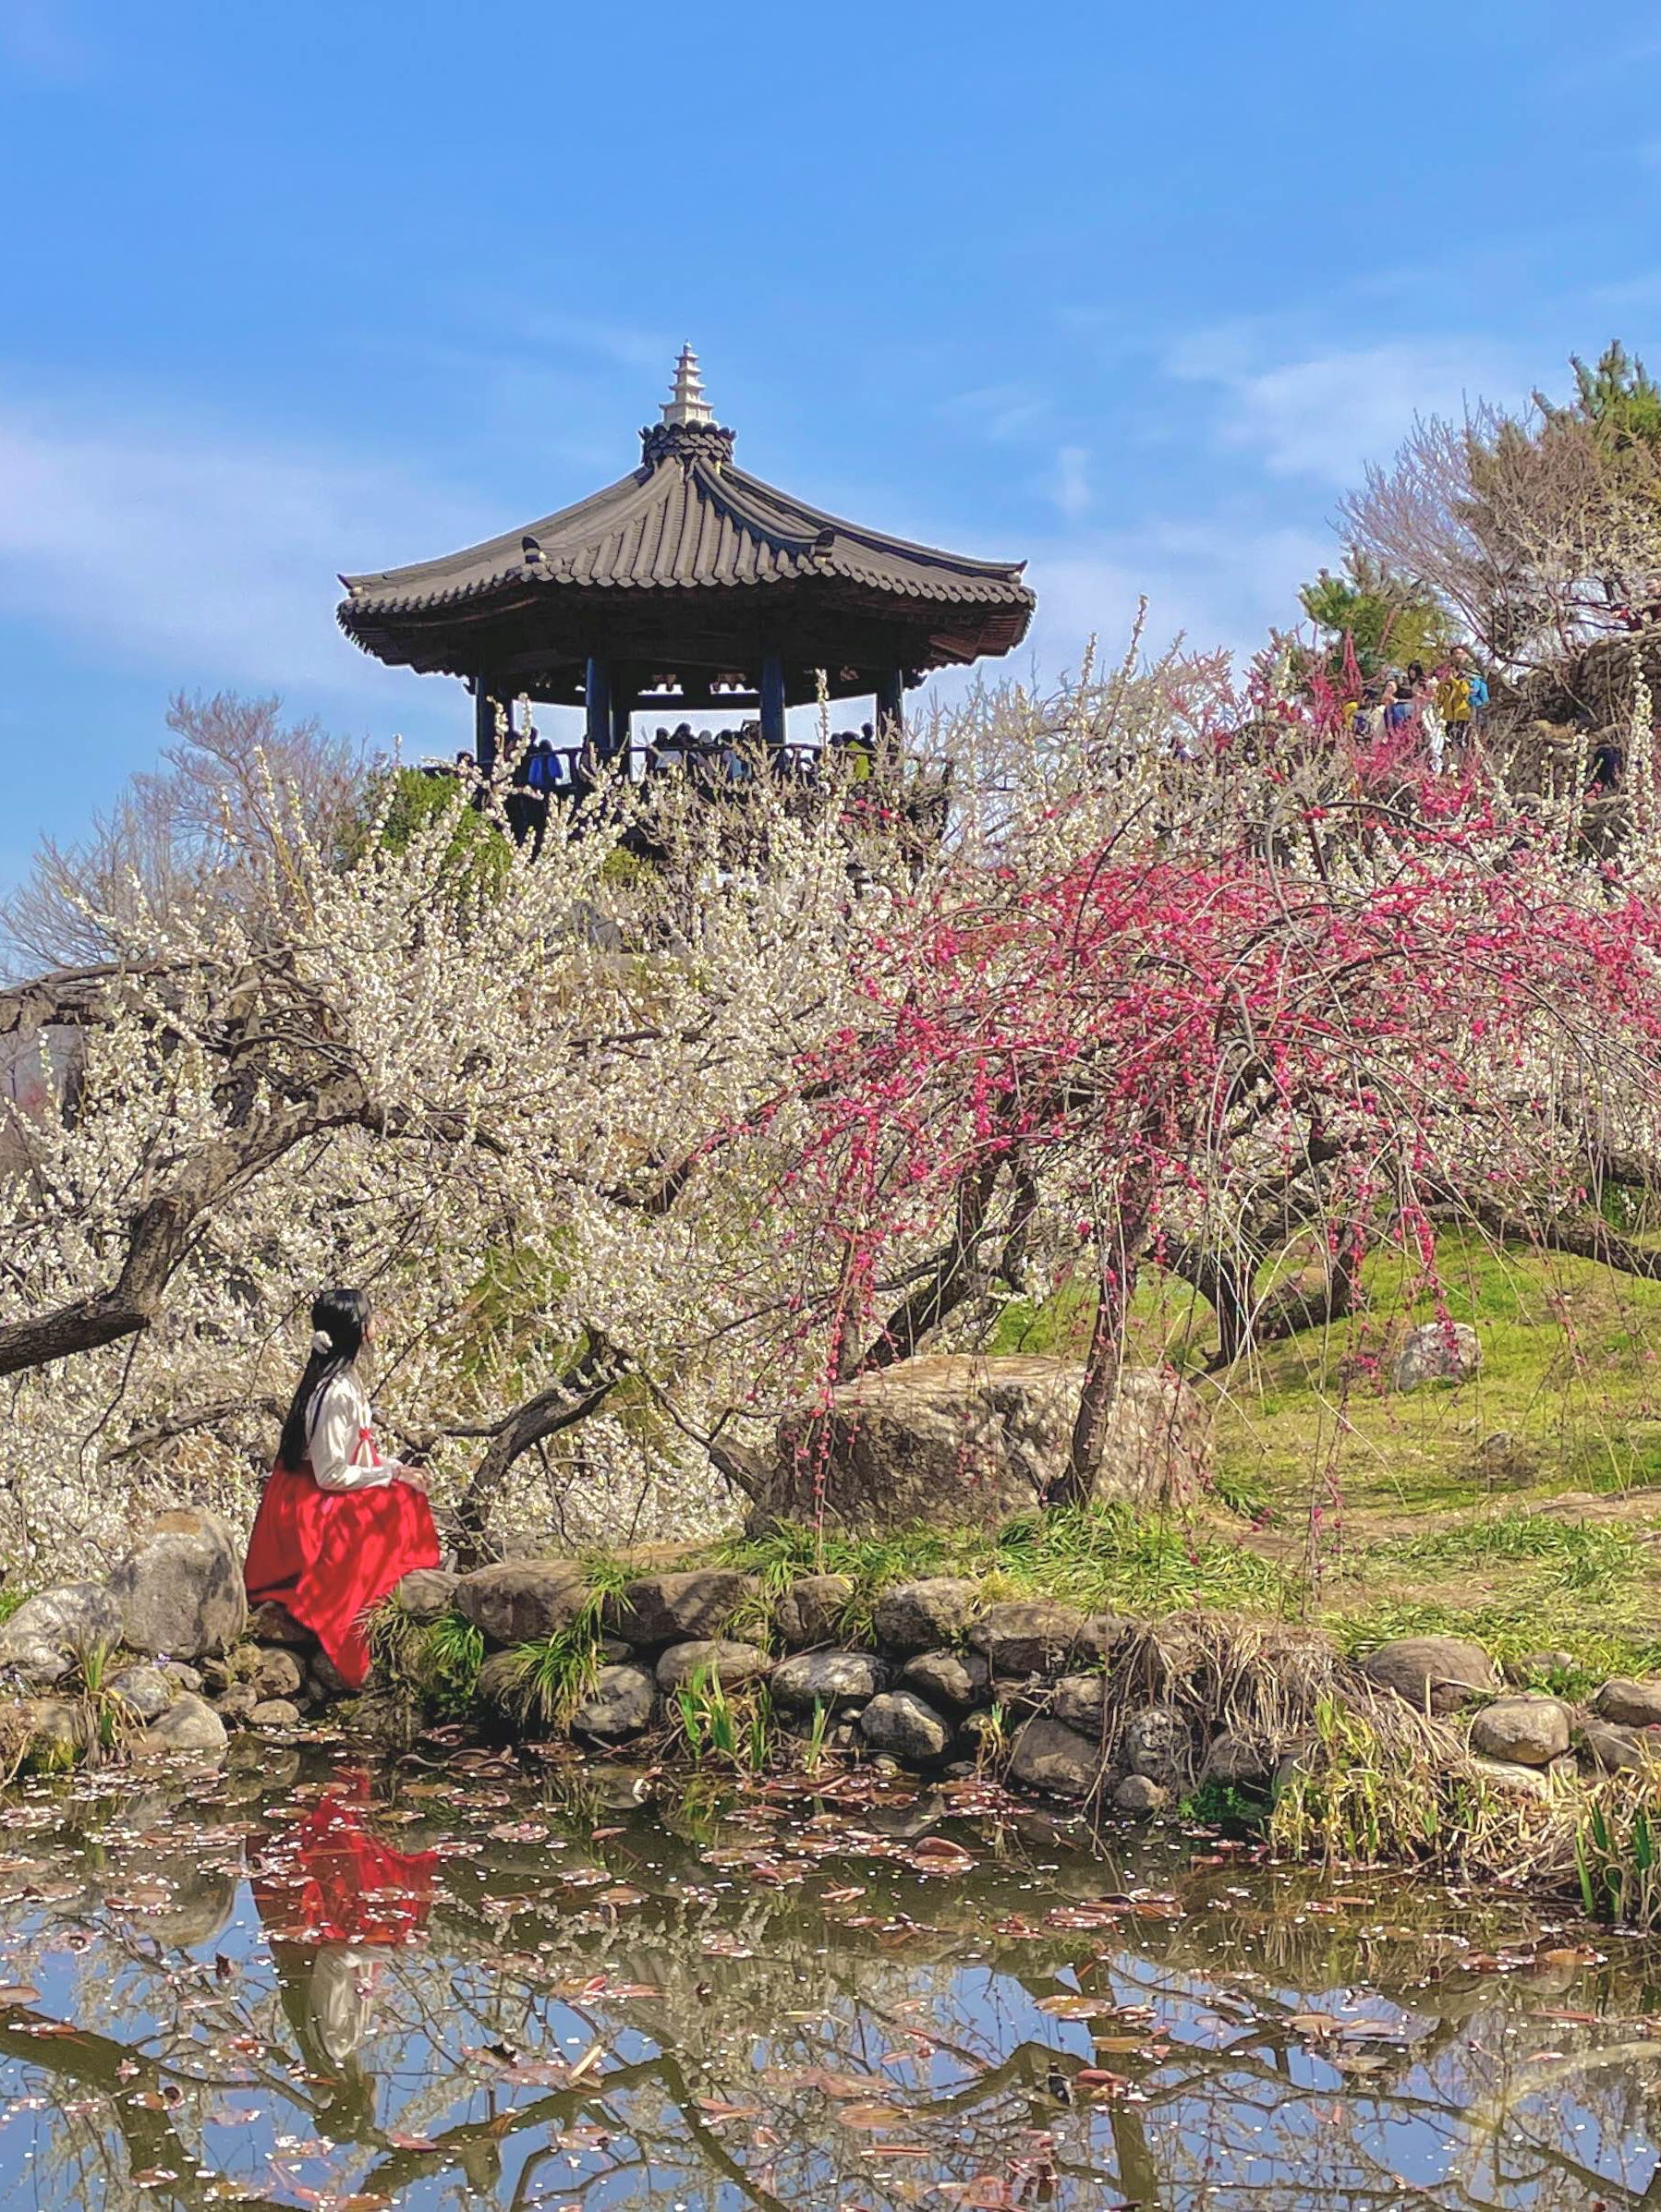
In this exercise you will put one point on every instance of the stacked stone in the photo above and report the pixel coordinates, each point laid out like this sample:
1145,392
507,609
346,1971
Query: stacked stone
943,1677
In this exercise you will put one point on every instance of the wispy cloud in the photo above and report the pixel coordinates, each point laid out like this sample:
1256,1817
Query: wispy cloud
1000,412
1214,579
1070,482
1326,414
206,555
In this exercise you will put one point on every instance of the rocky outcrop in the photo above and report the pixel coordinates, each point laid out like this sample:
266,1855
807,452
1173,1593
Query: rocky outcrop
957,1440
180,1590
1138,1796
1438,1351
426,1591
49,1633
1156,1747
1076,1701
189,1728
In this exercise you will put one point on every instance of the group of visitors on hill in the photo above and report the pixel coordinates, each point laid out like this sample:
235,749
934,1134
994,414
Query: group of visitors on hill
1444,706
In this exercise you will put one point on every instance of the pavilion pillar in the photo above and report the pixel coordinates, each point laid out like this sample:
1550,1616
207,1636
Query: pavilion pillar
484,725
772,701
622,717
597,698
890,707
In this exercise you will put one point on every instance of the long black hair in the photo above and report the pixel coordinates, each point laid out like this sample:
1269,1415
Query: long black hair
340,1320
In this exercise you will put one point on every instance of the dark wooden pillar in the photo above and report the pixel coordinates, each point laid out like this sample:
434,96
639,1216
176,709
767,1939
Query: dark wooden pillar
597,697
891,705
772,701
484,724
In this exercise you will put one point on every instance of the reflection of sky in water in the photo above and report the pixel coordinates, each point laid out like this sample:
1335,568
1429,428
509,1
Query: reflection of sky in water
696,2012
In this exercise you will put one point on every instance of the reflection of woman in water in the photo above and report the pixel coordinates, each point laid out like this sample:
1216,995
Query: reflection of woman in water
332,1900
337,1525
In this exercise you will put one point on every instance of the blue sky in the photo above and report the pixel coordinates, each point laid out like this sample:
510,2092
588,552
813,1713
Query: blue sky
1130,292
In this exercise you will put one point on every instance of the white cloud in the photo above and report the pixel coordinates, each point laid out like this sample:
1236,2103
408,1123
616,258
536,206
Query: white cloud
1327,414
1213,579
1070,485
207,556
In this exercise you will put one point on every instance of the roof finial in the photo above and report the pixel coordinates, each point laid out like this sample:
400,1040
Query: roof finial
686,403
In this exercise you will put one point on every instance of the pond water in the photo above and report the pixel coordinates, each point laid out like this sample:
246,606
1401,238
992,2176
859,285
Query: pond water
445,1983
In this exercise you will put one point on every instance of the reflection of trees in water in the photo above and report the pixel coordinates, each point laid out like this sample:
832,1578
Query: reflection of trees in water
755,1997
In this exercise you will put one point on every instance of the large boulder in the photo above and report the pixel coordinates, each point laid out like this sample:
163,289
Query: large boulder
810,1610
1048,1757
714,1658
620,1703
180,1589
521,1600
1437,1351
188,1727
953,1439
833,1678
1027,1636
1524,1732
920,1616
56,1626
675,1609
906,1727
1444,1671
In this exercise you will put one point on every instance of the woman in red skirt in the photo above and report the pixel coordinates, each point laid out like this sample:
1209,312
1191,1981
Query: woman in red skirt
338,1525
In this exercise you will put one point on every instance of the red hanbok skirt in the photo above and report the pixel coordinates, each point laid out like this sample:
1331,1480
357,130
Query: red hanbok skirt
332,1881
328,1555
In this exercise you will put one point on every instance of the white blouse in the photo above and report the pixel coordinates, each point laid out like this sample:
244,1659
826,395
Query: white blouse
342,1452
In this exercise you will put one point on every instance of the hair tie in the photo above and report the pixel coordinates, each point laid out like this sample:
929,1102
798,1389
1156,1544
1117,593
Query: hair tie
323,1343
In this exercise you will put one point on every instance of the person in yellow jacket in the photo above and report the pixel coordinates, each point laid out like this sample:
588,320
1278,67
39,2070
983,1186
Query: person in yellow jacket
1453,702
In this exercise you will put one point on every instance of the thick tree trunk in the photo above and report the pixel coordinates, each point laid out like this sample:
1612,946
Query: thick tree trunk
580,1391
1118,1262
949,1284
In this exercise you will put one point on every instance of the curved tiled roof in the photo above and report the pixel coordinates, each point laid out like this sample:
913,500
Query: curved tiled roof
687,519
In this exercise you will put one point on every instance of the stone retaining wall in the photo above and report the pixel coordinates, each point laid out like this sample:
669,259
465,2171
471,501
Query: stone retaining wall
1065,1704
